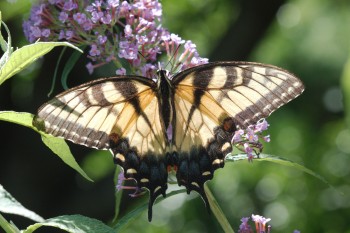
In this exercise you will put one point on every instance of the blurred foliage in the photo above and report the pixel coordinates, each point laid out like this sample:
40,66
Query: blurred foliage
309,38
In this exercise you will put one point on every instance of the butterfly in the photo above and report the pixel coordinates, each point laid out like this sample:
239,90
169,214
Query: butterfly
183,122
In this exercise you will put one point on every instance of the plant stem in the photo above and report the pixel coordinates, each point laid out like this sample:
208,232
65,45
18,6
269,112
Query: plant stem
220,216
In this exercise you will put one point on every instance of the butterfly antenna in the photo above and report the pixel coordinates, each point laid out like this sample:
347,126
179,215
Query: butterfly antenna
173,58
142,55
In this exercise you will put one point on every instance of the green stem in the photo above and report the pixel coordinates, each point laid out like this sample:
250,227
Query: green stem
9,228
220,216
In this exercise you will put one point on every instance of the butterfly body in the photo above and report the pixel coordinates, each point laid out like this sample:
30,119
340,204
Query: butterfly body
185,122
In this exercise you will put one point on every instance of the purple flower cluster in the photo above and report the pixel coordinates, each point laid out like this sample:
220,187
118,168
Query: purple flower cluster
260,225
248,140
115,31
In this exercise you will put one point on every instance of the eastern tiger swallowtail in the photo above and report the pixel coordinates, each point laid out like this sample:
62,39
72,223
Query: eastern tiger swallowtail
184,122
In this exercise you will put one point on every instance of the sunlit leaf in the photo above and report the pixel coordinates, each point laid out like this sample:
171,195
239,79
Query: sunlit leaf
10,205
24,56
57,145
73,224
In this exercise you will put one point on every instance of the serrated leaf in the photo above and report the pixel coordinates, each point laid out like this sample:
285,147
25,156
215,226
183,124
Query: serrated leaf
73,224
278,160
10,205
57,145
23,57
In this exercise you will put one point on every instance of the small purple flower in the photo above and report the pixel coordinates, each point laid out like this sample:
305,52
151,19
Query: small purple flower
96,16
106,19
87,25
45,33
251,136
127,50
141,39
90,67
124,9
121,71
94,51
69,34
260,222
80,18
69,5
237,137
101,39
128,31
113,3
157,9
63,17
249,151
147,70
120,181
36,32
195,61
176,39
244,227
120,186
61,35
267,138
262,125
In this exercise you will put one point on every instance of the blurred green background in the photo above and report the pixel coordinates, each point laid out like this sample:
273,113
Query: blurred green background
309,38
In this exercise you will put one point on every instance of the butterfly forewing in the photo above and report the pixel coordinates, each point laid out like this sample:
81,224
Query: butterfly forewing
242,90
89,114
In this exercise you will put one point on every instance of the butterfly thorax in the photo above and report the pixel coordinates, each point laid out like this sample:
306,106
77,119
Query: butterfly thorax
166,106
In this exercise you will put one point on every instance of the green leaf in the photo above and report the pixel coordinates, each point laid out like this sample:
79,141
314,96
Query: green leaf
60,148
68,68
23,57
10,205
132,215
219,214
73,224
278,160
57,145
8,227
